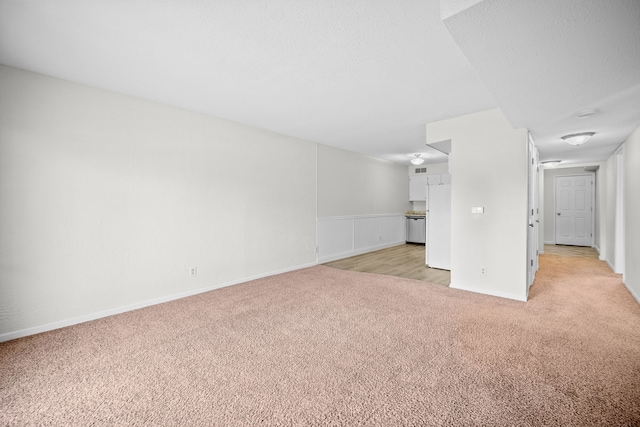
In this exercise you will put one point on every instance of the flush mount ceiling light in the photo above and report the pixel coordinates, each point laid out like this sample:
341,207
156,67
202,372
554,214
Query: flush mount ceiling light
551,163
417,160
578,138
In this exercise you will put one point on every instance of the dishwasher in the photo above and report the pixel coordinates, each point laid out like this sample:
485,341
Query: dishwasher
416,231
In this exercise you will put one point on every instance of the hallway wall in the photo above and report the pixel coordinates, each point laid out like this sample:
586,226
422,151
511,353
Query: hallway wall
632,213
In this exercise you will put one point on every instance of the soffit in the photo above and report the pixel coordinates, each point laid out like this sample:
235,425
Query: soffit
546,61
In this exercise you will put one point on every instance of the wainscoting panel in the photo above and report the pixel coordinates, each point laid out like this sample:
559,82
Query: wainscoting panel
342,237
392,229
366,234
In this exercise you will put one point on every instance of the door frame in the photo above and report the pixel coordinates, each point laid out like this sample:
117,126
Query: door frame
533,211
593,202
619,255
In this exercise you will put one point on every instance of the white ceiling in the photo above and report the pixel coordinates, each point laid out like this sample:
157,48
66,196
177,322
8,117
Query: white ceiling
363,75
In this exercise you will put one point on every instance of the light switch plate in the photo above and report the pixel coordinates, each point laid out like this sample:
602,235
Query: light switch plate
477,210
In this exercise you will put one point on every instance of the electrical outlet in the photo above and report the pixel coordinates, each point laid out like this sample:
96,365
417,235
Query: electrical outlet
193,271
483,271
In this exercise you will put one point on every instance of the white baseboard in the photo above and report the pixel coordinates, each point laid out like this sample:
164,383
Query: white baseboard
344,255
550,243
135,306
632,292
611,266
600,255
490,292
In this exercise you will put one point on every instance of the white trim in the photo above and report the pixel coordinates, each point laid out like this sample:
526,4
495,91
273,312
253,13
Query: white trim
338,218
135,306
550,243
600,256
490,292
631,291
619,229
316,189
609,264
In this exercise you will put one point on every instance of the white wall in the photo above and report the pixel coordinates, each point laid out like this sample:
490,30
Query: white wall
432,168
481,176
108,200
632,213
353,184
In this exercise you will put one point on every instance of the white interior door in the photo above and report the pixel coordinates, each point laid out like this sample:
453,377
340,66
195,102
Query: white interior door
574,210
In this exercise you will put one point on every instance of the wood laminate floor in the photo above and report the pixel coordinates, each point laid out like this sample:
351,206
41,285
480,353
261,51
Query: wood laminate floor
408,261
566,250
401,261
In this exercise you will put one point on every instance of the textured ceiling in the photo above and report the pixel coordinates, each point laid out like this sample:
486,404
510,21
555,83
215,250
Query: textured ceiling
545,61
361,75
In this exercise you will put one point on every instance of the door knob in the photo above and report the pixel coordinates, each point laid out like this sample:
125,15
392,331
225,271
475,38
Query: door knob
558,214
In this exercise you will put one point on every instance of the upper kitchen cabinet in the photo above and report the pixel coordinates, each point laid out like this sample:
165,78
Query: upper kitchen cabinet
444,178
418,188
418,185
433,179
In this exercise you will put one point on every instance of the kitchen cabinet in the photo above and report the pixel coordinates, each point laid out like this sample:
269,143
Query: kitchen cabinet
433,179
440,179
418,187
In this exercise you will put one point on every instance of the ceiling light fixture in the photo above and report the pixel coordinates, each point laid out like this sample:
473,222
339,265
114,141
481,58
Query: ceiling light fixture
578,138
417,160
551,163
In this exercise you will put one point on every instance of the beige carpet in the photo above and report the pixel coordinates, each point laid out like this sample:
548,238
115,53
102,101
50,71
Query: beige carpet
323,347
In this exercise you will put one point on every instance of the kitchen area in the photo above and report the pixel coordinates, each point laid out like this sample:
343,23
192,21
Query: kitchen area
418,242
369,233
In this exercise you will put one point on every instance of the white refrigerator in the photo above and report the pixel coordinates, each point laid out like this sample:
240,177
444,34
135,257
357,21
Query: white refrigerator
438,243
